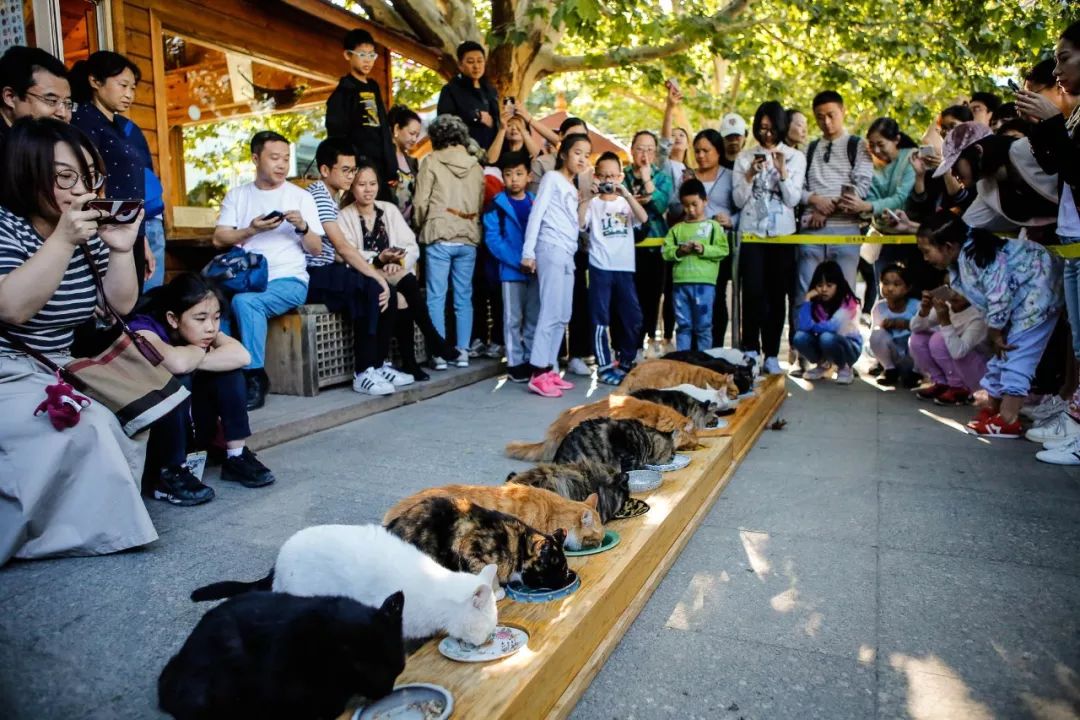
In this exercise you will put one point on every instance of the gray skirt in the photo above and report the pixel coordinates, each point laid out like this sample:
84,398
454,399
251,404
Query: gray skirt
64,492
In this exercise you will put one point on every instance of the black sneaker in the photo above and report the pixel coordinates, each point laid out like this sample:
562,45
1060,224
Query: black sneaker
178,486
246,469
891,378
417,372
876,370
520,373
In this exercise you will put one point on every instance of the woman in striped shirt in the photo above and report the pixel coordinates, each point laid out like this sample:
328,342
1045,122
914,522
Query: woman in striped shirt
74,491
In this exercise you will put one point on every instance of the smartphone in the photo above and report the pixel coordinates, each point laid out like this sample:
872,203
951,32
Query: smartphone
893,215
273,215
1012,85
116,212
760,154
927,151
672,83
943,293
848,189
509,101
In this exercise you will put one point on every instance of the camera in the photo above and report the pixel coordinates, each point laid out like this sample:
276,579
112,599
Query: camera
606,188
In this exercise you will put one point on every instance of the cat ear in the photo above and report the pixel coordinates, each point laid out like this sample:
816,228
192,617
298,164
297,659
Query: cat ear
510,477
480,595
560,536
489,574
587,518
393,606
689,427
593,500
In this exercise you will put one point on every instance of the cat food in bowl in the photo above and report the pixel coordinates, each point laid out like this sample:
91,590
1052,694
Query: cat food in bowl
518,592
611,539
505,641
415,701
644,480
677,463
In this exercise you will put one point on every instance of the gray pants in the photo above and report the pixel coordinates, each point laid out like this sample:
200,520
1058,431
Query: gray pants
810,256
521,308
555,270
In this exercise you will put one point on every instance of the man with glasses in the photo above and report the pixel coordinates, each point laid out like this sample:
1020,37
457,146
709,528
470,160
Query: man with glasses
33,83
355,110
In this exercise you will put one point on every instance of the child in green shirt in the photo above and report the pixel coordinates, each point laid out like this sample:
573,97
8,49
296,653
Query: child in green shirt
696,246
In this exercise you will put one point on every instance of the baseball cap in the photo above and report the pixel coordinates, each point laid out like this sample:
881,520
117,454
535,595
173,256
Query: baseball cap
959,139
732,124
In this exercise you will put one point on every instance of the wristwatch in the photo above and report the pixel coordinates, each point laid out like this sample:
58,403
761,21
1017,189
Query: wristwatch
304,231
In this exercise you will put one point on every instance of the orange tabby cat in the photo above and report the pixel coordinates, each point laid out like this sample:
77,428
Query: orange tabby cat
618,407
536,507
666,373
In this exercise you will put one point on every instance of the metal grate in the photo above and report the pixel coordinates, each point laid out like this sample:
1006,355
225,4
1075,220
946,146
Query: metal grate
333,349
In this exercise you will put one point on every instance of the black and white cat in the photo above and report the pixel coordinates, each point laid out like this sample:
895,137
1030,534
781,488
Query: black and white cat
367,563
271,655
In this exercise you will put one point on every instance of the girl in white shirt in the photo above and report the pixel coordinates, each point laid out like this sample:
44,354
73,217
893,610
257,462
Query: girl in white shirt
551,239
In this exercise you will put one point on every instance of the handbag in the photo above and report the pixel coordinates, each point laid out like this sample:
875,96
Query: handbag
126,377
238,271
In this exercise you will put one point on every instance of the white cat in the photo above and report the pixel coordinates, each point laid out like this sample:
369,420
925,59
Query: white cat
367,563
717,399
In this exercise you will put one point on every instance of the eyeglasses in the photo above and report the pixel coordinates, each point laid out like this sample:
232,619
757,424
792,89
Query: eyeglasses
347,170
52,101
364,55
67,179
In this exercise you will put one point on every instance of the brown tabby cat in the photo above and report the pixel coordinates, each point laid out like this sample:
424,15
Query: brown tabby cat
578,480
665,373
618,407
536,507
463,536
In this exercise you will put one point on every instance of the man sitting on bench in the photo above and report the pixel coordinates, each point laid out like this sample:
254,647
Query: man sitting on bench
278,220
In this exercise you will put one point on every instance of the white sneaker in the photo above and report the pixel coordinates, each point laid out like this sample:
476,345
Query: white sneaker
477,348
771,366
845,375
1067,454
462,359
1048,407
437,363
394,376
577,366
372,382
1062,443
1057,427
494,351
816,373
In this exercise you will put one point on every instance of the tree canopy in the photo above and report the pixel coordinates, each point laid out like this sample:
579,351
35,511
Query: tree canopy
904,58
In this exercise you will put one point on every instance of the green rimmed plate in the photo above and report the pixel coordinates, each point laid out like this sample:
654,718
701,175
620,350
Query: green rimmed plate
611,539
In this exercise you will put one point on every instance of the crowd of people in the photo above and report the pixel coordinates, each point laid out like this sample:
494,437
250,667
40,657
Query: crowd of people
511,239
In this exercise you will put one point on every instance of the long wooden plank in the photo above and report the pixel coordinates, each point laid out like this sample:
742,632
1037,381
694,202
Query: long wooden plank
571,638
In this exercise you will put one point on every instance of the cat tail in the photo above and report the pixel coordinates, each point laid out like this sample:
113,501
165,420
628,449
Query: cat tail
529,451
222,590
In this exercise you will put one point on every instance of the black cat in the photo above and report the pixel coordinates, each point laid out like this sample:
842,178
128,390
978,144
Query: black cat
743,375
271,655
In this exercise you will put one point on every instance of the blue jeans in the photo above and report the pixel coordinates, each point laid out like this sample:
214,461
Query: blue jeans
693,315
1072,294
252,310
155,235
840,350
446,263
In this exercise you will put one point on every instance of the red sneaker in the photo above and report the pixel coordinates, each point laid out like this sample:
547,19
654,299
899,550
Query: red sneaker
931,392
557,381
542,385
982,416
953,397
994,426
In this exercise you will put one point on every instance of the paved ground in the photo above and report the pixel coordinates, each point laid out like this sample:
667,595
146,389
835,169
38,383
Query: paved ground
868,561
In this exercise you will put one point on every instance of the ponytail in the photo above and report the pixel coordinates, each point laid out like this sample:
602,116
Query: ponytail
101,66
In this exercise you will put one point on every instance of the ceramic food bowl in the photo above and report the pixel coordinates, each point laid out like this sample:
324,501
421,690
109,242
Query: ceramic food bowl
644,480
505,641
518,592
611,539
677,463
415,701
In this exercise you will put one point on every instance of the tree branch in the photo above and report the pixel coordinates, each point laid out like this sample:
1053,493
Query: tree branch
617,58
427,24
385,15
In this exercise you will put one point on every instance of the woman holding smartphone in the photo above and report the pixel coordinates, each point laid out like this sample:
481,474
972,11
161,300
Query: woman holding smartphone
378,232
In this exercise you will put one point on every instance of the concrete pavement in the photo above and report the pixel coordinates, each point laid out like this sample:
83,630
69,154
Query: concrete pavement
869,560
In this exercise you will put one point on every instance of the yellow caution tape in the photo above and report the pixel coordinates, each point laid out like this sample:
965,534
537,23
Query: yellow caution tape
1069,252
650,242
832,239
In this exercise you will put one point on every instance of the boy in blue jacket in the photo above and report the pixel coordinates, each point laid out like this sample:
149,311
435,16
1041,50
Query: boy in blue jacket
504,233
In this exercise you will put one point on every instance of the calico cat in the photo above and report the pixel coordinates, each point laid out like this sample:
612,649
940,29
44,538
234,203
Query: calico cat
743,375
536,507
578,480
626,444
619,407
702,414
365,562
665,373
271,655
461,535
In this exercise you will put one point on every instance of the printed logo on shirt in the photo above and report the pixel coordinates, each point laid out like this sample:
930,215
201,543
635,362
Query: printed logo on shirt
612,224
369,109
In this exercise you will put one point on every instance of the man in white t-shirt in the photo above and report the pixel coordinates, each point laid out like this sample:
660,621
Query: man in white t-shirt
278,220
610,218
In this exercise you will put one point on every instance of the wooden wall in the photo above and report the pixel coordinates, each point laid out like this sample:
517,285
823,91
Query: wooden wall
272,33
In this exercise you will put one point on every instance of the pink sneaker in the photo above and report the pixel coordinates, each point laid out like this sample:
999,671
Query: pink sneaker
558,382
542,385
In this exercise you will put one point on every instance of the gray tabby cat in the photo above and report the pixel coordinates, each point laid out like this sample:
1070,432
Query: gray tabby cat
625,444
578,480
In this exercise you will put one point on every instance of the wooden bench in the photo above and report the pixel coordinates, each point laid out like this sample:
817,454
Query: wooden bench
310,348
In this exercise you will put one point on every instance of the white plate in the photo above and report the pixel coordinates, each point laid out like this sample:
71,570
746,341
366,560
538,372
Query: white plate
505,641
677,463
